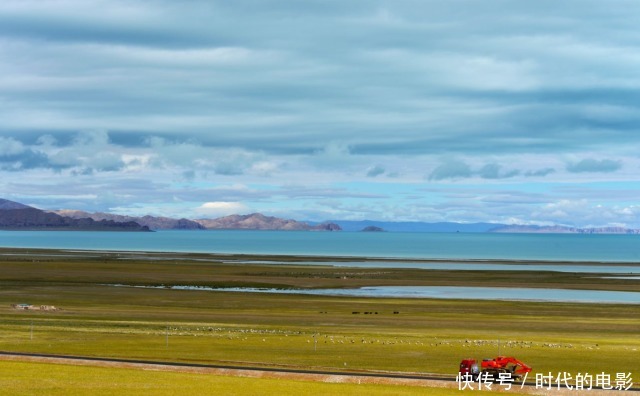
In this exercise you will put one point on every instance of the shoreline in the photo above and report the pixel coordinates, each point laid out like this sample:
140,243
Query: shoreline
92,267
307,259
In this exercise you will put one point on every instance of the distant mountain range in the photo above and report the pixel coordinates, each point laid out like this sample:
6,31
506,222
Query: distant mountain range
531,229
254,221
415,226
14,215
409,226
154,223
258,221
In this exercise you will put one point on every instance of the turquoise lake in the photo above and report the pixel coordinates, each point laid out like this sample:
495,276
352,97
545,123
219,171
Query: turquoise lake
574,250
486,246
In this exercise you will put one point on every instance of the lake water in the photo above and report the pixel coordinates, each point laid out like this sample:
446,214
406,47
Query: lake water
553,247
482,248
443,292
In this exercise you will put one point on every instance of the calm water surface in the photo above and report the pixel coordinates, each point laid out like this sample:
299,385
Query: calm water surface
445,292
552,247
558,247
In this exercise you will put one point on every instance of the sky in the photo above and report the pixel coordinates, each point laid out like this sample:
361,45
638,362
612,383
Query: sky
499,111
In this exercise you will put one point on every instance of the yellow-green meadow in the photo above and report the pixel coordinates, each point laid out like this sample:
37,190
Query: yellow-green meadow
309,332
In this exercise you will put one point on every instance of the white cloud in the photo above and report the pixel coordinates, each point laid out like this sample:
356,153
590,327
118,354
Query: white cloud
10,147
88,152
46,140
217,209
264,168
95,138
179,57
583,213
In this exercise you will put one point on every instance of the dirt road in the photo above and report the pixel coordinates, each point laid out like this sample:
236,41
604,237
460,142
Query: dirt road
300,375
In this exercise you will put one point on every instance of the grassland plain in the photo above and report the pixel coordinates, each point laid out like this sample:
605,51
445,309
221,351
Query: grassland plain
65,380
303,331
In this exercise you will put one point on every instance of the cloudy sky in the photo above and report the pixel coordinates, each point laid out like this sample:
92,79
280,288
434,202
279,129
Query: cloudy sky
501,111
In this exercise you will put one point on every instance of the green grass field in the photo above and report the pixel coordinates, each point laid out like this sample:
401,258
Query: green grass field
302,331
58,379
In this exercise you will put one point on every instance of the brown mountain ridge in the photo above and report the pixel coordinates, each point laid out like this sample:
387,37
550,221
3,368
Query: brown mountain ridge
16,216
254,221
258,221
